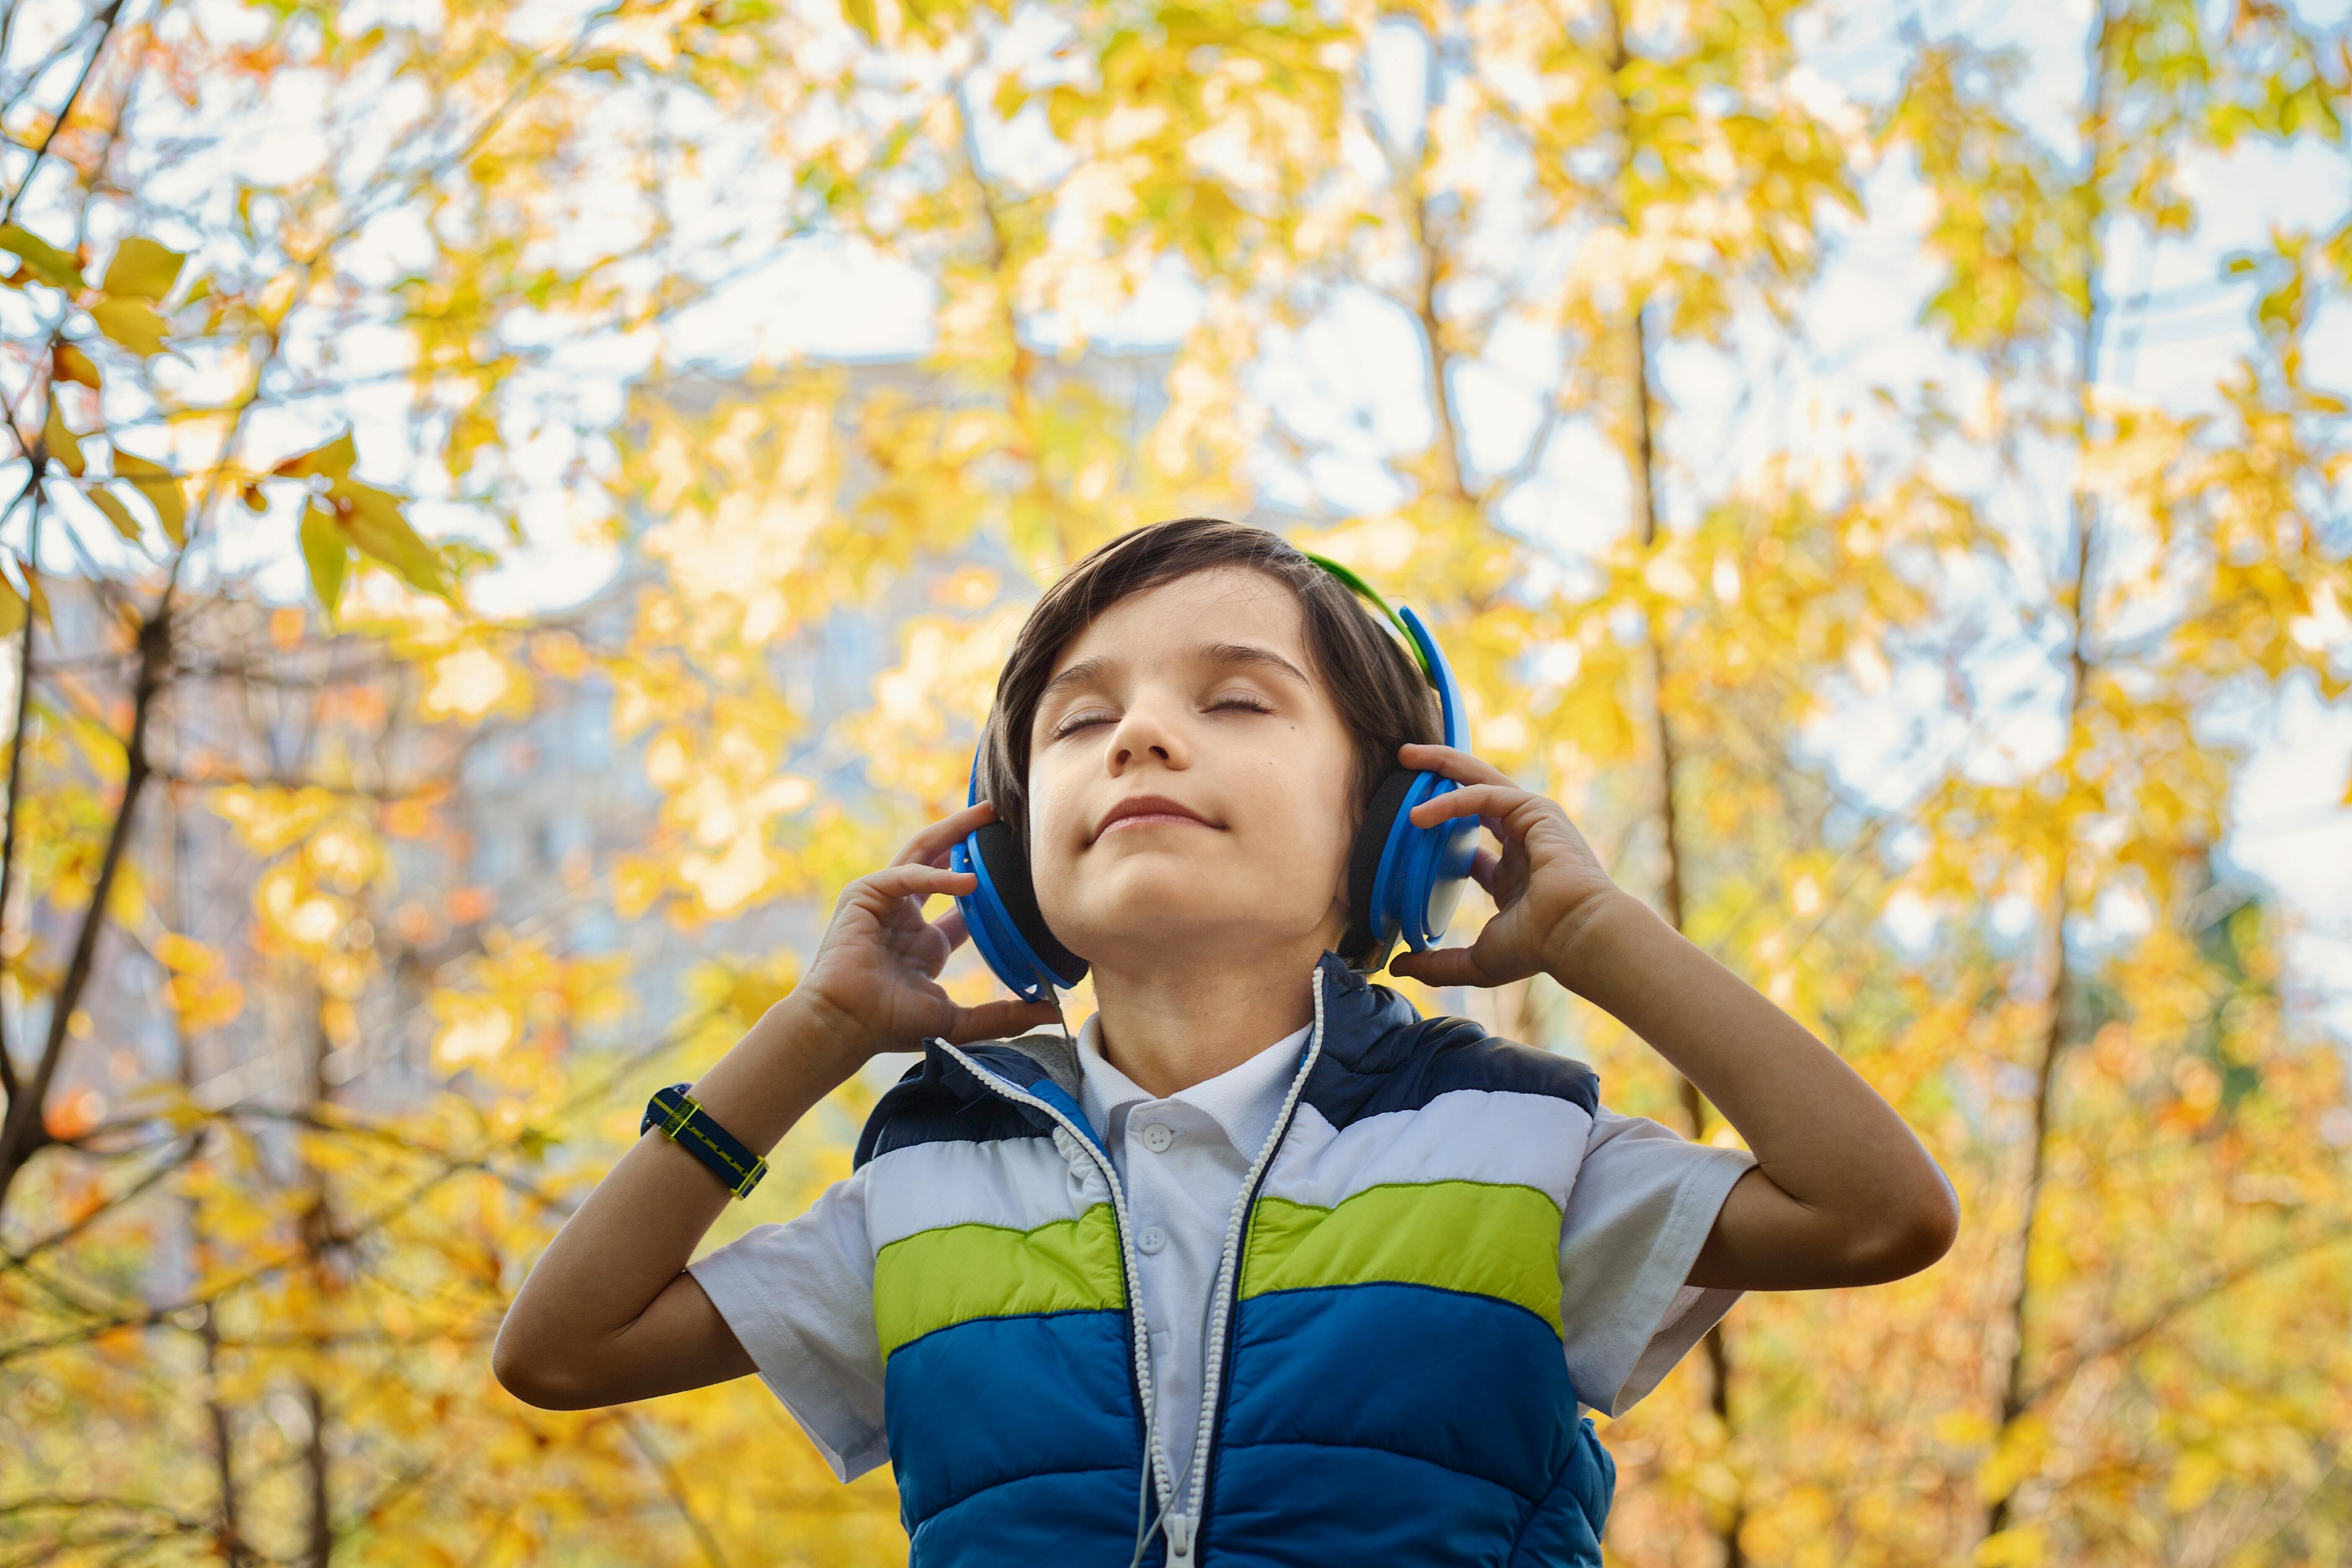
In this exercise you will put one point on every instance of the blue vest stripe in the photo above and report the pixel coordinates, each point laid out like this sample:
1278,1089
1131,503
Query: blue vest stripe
1469,1384
987,1402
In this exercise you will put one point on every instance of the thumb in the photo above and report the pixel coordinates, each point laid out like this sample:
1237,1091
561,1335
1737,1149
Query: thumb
1441,966
999,1020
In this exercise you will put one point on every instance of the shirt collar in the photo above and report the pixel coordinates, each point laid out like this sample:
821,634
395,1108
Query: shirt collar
1244,1101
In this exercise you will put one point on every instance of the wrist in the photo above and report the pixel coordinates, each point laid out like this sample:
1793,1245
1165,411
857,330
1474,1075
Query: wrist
825,1037
1578,953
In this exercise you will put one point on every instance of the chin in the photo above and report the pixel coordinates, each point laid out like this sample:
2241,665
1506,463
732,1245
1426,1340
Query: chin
1148,916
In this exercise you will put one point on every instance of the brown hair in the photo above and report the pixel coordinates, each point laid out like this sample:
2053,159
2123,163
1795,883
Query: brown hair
1382,695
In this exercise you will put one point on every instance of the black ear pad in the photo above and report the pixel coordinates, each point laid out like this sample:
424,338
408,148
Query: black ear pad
1361,947
1008,870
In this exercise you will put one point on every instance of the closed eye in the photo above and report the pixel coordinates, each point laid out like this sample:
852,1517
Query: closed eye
1084,717
1245,700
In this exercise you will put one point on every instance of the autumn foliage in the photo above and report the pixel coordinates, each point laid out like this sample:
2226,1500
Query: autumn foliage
363,871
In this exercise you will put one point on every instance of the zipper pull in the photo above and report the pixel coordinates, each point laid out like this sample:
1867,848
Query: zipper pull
1179,1528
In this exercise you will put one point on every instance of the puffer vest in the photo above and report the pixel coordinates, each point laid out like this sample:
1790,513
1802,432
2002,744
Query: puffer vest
1384,1380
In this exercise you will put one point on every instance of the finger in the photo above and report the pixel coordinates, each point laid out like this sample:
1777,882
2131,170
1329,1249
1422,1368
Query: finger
1494,801
1482,869
951,926
941,835
999,1020
1441,966
913,882
1459,765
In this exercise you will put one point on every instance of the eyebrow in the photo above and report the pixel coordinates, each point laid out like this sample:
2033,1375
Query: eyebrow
1228,653
1078,674
1249,653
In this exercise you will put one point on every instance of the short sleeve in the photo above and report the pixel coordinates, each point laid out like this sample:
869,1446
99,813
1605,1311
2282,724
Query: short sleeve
1645,1201
800,1297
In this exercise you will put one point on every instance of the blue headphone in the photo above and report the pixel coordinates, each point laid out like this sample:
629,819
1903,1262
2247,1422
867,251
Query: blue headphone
1403,881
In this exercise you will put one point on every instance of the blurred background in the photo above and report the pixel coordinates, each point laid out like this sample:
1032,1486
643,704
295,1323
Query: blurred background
510,504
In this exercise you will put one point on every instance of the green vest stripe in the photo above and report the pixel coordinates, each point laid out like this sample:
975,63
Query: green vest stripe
955,1273
1477,1237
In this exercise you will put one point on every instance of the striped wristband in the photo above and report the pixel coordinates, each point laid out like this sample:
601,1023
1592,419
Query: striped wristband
683,1122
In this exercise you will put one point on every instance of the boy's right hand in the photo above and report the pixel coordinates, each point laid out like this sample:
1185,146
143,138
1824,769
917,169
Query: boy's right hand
874,986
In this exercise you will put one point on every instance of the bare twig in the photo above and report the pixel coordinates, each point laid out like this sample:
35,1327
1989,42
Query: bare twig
106,20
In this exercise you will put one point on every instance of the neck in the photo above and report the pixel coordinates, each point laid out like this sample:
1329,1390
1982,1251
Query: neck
1171,1025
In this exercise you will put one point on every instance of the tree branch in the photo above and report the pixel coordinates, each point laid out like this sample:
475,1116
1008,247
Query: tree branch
2187,1300
24,1134
106,20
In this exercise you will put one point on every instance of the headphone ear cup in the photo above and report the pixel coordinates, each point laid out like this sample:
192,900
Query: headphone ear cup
1017,899
1371,933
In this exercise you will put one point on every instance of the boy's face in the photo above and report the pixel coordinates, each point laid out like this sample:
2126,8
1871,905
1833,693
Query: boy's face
1189,779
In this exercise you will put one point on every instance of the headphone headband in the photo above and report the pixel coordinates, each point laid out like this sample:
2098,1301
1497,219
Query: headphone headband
1355,585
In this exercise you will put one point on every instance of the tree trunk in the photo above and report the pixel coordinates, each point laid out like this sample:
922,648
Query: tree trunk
2081,662
1671,883
19,726
25,1133
318,1240
229,1530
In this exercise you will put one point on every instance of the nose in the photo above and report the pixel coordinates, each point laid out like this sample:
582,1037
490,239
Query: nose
1147,734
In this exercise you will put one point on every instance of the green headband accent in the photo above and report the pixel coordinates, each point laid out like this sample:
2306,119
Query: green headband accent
1364,590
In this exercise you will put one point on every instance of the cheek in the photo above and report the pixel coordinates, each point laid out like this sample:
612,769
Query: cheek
1301,838
1054,830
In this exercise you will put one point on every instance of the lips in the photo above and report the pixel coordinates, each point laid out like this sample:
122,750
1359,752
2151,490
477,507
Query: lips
1150,811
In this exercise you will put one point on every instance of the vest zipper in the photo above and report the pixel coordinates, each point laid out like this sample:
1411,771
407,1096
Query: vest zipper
1180,1527
1140,1366
1221,1313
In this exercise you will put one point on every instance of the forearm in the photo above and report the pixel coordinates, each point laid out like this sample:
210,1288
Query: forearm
596,1297
1863,1199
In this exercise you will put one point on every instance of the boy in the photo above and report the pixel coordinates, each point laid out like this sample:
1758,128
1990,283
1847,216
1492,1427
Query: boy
1265,1267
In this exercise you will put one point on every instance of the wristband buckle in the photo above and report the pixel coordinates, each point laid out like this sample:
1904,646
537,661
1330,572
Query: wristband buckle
682,1120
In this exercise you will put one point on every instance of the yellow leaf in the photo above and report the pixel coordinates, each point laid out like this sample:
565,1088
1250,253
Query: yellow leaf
1964,1428
472,1029
200,990
45,260
331,461
327,554
135,323
2020,1548
116,513
156,483
185,954
12,609
70,363
372,519
63,444
143,270
2195,1475
270,819
468,683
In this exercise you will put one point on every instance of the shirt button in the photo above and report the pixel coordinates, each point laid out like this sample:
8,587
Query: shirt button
1157,1137
1150,1241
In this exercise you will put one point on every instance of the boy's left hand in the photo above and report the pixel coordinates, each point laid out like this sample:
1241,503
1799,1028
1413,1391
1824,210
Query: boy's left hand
1547,883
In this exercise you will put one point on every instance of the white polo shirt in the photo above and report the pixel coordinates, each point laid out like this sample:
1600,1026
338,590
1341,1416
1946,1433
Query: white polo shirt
799,1296
1182,1161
